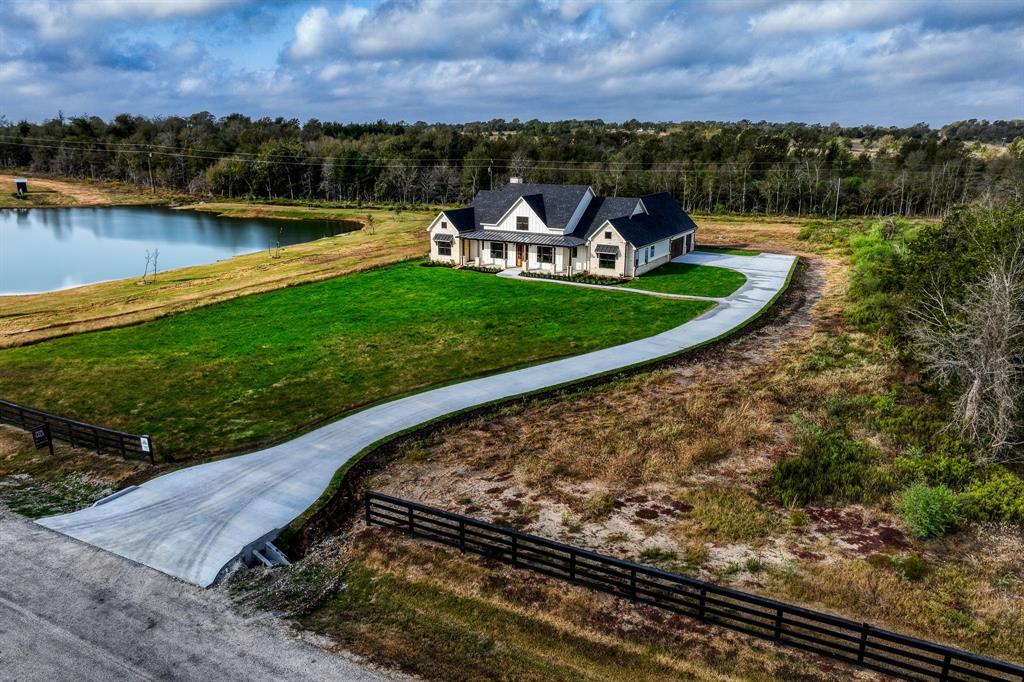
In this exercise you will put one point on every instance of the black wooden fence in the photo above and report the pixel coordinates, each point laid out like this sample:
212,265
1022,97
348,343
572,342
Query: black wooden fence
79,434
820,633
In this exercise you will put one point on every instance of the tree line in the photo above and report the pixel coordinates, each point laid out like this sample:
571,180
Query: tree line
745,167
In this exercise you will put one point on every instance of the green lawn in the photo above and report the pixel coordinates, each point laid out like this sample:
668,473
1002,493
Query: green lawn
691,280
729,250
242,371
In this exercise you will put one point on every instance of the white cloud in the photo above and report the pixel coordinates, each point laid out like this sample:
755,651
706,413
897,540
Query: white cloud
432,60
835,15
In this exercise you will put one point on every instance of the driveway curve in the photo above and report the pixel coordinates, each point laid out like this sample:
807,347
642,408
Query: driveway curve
192,522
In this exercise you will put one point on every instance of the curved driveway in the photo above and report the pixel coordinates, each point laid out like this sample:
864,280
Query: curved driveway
192,522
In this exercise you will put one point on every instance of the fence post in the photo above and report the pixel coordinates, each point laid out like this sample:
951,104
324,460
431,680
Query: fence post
703,604
863,641
945,669
120,441
412,520
515,550
462,535
366,501
96,437
632,582
572,565
778,625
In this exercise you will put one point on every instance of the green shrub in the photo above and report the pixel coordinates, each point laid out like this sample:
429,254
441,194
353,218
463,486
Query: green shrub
954,470
831,467
929,511
910,566
998,498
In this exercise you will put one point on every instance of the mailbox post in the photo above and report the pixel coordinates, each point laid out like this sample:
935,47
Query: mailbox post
41,437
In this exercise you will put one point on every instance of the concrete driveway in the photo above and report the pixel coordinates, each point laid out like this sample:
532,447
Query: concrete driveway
69,611
192,522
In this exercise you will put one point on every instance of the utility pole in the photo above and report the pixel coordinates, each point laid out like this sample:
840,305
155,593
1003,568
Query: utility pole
839,186
149,162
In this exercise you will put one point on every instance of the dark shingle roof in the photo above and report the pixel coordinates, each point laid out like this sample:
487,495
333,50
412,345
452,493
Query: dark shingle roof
461,219
555,204
600,210
664,218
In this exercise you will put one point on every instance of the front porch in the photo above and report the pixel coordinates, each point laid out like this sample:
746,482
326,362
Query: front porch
524,255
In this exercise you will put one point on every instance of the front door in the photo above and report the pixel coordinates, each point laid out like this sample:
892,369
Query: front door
520,254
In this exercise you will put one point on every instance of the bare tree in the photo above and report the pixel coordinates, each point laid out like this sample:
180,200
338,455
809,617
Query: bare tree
156,257
975,344
520,165
149,259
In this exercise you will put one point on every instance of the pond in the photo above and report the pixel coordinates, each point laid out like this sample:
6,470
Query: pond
45,249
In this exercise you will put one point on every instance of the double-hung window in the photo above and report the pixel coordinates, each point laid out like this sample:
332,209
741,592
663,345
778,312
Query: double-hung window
522,222
606,261
444,248
498,250
545,254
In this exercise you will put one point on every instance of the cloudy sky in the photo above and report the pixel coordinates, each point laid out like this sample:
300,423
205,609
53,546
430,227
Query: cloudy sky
851,61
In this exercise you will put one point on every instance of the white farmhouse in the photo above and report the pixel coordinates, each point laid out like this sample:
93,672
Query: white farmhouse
563,229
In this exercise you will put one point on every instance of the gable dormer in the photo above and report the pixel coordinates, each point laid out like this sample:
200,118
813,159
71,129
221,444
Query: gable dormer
585,200
526,214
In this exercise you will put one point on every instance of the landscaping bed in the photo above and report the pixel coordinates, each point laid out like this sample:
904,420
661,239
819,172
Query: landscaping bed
583,278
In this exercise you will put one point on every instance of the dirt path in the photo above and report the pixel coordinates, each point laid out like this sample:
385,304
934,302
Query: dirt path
68,193
70,611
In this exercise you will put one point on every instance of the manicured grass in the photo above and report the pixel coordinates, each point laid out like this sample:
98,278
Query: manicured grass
729,251
243,371
690,280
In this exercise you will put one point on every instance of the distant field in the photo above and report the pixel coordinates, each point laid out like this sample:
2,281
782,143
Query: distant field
256,367
689,280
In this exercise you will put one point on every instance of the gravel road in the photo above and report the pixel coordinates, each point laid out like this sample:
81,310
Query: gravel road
69,611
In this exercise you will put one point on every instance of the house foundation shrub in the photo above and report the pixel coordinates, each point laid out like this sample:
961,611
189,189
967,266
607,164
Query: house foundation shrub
582,278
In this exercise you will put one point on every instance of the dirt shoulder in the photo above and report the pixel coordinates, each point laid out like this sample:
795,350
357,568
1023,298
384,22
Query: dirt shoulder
44,191
71,611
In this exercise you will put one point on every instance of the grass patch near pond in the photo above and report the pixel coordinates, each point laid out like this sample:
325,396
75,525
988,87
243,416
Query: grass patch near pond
690,280
257,367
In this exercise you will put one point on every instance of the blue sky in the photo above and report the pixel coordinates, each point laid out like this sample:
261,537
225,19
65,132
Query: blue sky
851,61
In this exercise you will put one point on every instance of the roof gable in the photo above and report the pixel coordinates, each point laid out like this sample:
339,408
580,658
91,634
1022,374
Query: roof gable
462,219
554,204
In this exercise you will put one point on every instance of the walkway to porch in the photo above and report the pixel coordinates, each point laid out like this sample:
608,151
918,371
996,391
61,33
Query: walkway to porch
514,273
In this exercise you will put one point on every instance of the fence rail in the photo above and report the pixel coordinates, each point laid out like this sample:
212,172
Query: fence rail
79,434
838,638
